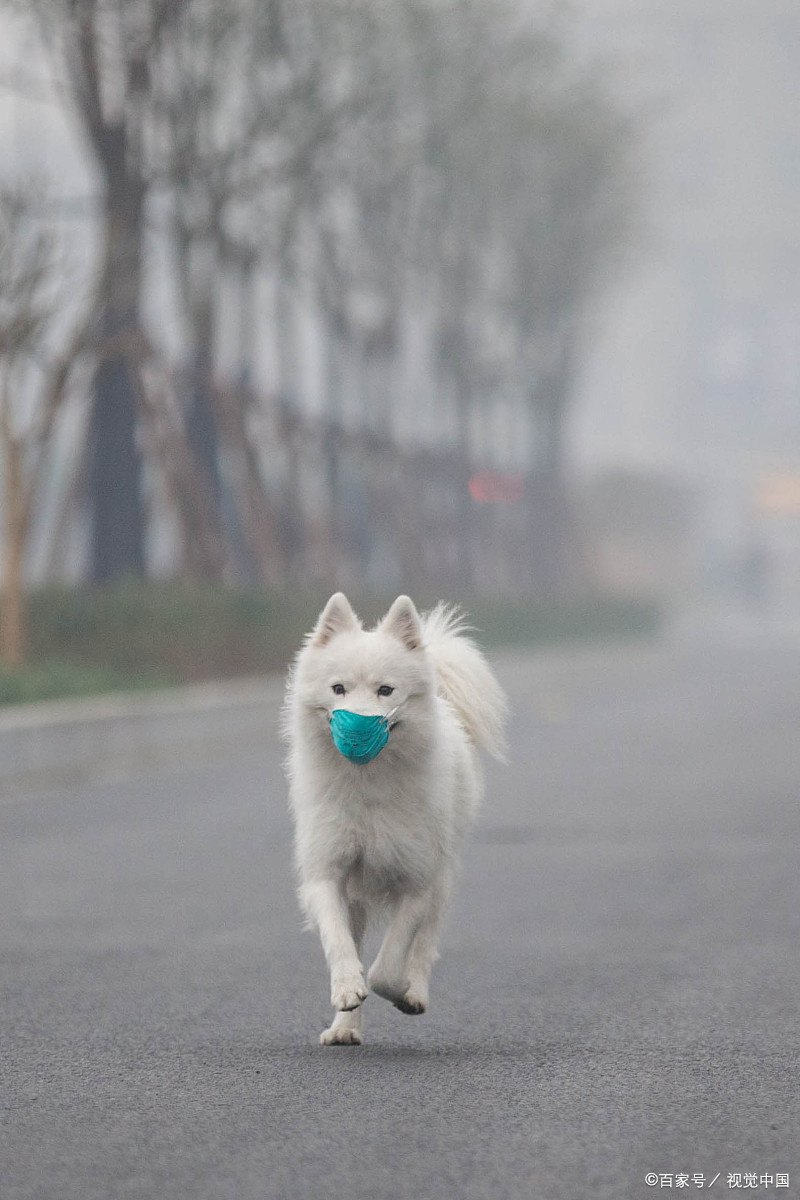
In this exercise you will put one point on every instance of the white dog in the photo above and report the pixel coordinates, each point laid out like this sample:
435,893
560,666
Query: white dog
383,727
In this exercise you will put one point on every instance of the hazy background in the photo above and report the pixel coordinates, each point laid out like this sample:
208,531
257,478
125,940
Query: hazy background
696,367
484,300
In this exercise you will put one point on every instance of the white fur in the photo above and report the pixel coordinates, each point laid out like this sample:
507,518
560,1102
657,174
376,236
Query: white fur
384,837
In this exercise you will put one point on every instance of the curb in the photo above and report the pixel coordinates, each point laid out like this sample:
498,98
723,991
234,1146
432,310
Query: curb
61,743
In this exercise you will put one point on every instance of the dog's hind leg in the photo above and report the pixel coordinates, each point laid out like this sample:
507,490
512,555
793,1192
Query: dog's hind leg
423,953
421,957
346,1029
407,952
401,972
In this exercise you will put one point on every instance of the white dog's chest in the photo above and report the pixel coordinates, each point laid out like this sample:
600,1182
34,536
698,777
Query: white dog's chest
382,850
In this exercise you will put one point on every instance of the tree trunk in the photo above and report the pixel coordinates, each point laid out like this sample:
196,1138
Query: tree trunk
330,565
552,531
13,634
201,425
200,273
201,428
292,524
115,467
467,522
261,551
454,368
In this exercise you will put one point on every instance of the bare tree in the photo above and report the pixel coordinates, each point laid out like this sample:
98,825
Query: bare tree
33,384
104,49
225,137
376,158
527,193
257,104
128,67
484,180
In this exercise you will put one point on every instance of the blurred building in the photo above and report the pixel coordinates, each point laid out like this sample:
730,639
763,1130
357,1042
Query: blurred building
695,367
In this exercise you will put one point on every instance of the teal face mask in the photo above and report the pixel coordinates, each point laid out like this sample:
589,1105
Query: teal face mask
358,737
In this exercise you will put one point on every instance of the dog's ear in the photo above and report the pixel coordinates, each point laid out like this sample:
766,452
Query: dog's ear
336,617
403,621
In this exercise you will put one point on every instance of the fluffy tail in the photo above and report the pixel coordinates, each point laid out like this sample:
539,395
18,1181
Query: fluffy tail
465,678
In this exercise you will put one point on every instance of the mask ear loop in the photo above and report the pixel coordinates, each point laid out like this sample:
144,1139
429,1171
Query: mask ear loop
388,716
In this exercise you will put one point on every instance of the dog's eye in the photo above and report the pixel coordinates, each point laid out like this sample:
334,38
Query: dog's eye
385,690
338,689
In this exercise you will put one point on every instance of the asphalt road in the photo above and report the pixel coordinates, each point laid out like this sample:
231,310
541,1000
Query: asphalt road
619,991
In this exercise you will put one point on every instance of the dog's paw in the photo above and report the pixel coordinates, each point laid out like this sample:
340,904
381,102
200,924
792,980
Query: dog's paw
413,1002
343,1036
402,994
347,992
410,996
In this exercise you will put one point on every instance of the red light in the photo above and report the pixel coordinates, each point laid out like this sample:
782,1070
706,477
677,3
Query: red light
490,487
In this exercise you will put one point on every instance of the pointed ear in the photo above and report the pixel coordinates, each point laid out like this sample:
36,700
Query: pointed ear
336,617
403,621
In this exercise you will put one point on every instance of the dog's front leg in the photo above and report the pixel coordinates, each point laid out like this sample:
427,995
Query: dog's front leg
346,1029
325,904
389,974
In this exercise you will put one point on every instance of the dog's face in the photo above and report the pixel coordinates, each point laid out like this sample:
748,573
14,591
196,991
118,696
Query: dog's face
378,672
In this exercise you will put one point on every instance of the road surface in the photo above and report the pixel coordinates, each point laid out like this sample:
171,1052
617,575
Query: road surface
618,995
